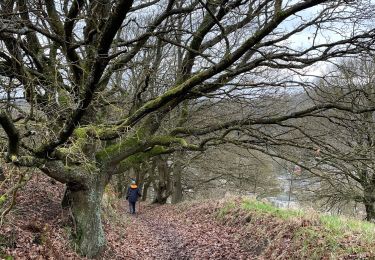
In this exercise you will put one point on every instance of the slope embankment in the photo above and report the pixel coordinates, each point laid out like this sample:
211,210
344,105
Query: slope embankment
237,228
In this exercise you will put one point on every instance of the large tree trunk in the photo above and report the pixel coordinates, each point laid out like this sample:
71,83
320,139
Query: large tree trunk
85,204
370,211
177,184
162,185
160,192
141,176
369,201
149,180
145,190
368,192
177,188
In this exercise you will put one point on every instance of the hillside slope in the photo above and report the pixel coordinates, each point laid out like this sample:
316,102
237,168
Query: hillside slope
237,228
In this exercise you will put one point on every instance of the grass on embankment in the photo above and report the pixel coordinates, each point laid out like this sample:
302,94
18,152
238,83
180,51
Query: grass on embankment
272,233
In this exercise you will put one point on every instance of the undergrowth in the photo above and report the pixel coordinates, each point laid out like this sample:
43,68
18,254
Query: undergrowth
299,234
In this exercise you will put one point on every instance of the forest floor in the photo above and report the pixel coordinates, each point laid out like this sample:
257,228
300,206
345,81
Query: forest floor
169,232
38,228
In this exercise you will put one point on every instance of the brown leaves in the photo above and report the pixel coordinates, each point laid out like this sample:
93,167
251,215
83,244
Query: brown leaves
162,232
35,225
39,229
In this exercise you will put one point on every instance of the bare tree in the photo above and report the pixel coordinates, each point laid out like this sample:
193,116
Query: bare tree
344,147
98,79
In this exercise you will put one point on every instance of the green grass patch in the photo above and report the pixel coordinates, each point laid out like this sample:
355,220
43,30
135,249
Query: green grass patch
226,209
263,207
309,235
341,226
315,243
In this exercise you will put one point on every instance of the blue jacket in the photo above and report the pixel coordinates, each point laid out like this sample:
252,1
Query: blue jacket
133,193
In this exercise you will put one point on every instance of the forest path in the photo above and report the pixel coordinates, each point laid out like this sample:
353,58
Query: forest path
165,232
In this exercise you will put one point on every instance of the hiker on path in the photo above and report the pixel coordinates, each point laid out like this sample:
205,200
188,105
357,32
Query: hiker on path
132,196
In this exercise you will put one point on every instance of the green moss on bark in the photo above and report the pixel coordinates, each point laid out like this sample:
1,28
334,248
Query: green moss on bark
136,159
112,150
167,140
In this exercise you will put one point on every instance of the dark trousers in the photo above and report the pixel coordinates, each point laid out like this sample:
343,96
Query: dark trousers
132,207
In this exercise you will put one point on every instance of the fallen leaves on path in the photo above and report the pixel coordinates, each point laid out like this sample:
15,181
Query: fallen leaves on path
162,232
38,228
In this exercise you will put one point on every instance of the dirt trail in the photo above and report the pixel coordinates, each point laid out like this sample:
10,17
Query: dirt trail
164,232
39,229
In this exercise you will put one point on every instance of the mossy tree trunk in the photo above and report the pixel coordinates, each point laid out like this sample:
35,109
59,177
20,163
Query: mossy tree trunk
177,179
85,204
86,183
162,186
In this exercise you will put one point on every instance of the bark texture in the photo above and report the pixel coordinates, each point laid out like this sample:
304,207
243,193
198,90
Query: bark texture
85,204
